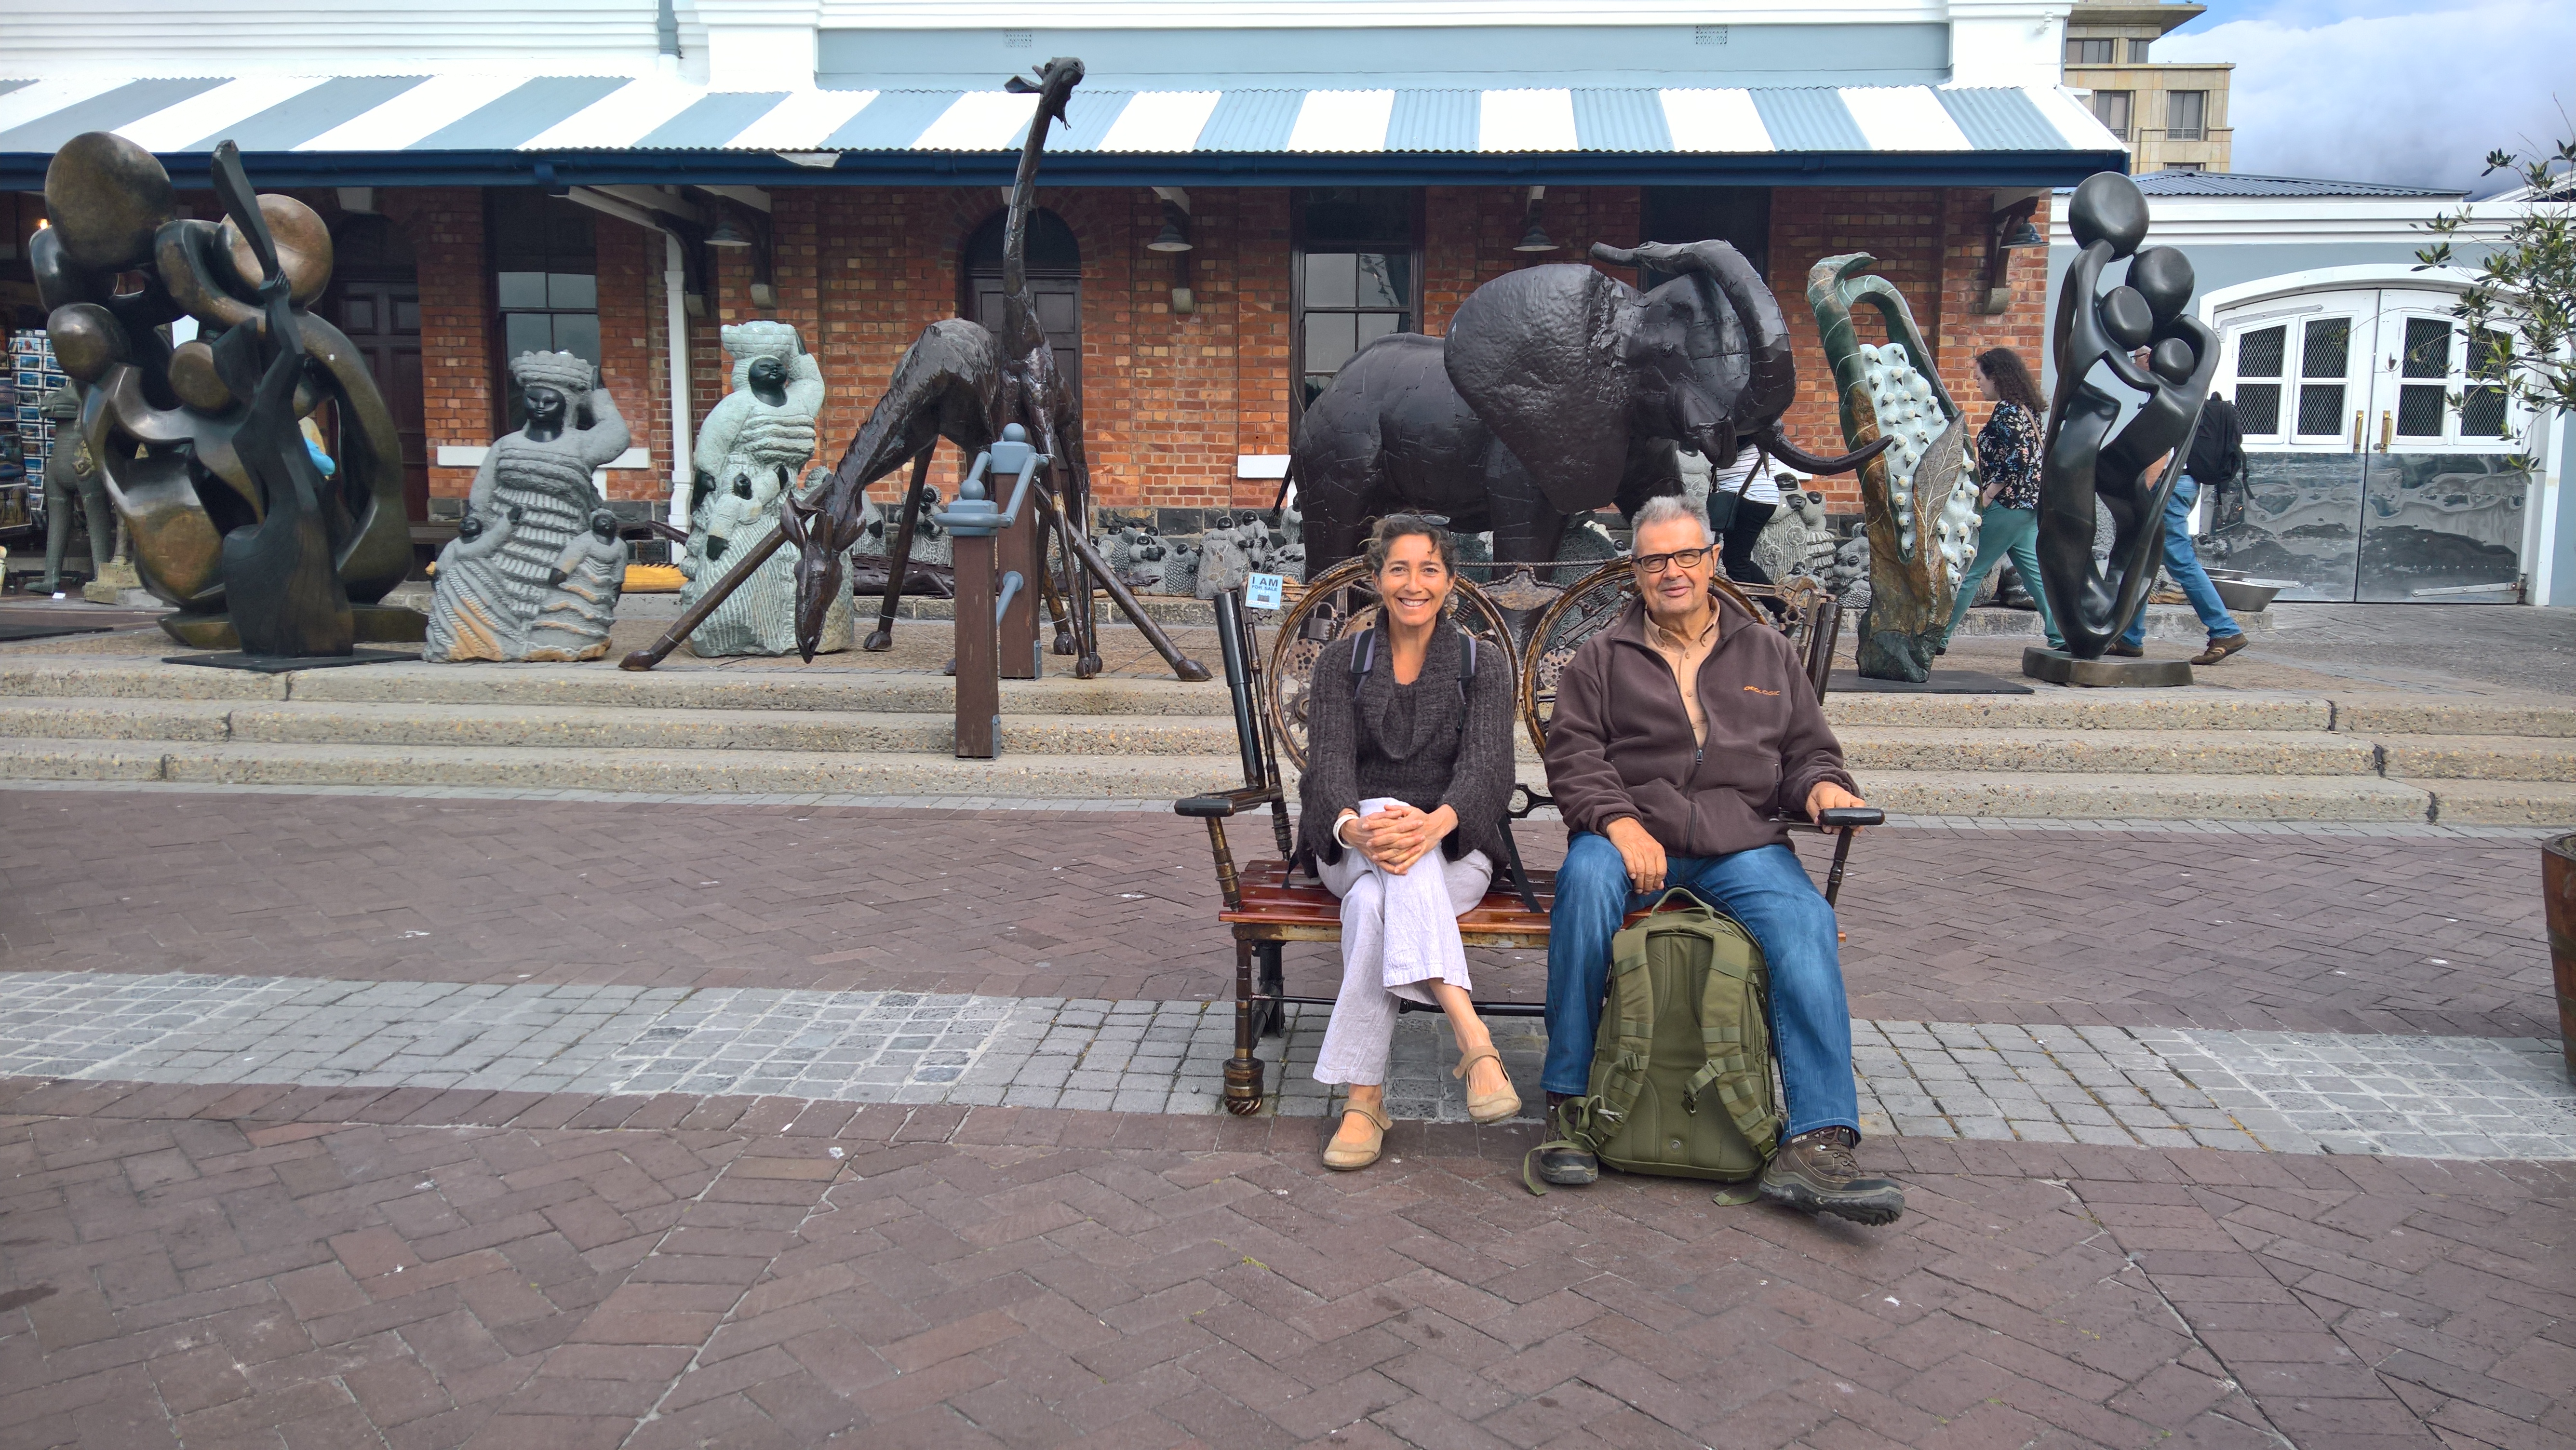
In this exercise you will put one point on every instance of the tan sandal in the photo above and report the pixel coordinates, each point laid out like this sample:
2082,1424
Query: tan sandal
1343,1160
1487,1107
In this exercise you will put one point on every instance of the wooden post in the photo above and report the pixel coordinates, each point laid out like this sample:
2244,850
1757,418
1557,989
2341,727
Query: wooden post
979,684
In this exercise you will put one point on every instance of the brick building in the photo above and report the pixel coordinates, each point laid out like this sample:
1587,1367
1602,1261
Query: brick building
619,180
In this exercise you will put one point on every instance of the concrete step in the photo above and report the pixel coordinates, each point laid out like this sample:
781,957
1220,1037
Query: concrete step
2479,757
2147,797
1154,777
586,728
686,687
2055,708
306,722
904,773
2382,715
2504,802
602,686
1870,748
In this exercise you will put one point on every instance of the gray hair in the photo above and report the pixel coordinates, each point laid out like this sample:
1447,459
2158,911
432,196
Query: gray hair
1664,509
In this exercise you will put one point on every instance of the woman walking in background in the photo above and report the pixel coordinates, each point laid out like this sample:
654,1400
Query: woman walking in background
1756,497
2008,472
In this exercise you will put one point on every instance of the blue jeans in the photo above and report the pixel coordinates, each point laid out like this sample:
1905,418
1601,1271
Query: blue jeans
2183,562
2010,532
1765,889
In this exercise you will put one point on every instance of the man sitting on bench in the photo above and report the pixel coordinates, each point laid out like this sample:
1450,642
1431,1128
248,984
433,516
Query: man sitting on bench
1680,731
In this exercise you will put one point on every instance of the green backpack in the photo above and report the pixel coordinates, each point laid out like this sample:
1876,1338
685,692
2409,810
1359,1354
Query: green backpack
1681,1072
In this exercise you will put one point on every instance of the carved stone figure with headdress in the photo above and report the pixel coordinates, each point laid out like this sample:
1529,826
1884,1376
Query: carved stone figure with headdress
543,472
755,442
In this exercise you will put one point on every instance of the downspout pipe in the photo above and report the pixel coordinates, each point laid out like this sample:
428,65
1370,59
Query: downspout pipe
675,281
675,286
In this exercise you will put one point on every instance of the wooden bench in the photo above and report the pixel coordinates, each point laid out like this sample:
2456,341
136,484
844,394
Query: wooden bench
1267,906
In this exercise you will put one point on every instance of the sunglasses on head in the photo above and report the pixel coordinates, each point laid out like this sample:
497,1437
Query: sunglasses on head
1678,559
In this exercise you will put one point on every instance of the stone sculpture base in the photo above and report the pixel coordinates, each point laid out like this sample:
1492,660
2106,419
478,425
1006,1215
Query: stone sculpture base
2057,667
376,624
118,584
287,664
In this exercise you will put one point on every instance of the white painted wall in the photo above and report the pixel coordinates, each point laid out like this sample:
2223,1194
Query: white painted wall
768,44
346,37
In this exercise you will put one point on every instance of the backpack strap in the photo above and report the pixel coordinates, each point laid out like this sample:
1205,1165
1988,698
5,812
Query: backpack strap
1723,1024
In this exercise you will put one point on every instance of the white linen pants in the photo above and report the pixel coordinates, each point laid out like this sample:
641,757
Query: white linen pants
1398,933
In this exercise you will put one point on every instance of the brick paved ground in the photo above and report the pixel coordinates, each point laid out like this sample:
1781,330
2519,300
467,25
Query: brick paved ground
276,1268
2152,928
218,1266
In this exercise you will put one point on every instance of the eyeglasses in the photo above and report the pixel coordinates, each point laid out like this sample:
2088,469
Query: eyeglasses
1653,564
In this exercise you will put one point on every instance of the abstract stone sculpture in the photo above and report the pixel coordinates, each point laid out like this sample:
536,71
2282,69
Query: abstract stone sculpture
538,480
1922,523
2094,601
752,445
196,445
1558,390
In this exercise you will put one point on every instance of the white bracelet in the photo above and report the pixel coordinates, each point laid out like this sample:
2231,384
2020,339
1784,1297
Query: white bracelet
1348,817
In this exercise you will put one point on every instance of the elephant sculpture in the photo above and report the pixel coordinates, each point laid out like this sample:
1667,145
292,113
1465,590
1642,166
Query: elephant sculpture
2083,461
1559,390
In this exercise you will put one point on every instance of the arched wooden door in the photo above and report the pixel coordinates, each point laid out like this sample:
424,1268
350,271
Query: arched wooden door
1055,276
375,285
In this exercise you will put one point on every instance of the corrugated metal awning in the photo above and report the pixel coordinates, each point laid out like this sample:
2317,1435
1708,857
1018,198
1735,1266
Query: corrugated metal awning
491,129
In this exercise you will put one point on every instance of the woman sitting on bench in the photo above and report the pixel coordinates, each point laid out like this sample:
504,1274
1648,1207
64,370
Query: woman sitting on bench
1409,766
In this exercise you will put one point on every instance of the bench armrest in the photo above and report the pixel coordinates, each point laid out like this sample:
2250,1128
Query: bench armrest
1839,817
1217,805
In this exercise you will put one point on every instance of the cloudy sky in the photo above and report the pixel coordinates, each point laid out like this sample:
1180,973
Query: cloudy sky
2414,91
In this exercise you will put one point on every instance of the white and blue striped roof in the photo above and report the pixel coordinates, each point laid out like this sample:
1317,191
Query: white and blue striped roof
464,127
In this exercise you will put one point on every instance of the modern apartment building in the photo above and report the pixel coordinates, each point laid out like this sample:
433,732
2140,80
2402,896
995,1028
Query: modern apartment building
2171,117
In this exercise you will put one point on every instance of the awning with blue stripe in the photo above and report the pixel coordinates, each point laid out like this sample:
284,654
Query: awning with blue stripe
562,130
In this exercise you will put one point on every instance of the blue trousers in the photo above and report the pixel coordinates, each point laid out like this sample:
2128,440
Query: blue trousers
1765,889
2182,561
2003,532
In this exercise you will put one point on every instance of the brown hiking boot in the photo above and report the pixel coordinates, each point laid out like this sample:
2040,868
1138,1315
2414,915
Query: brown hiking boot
1565,1165
1816,1173
2220,648
2128,651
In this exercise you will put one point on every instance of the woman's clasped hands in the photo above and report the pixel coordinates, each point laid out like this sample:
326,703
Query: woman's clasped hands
1398,835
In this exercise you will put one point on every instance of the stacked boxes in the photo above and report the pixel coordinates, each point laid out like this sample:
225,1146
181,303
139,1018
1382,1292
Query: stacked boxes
26,434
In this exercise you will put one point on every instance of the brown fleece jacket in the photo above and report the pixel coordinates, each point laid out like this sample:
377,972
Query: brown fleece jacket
1620,742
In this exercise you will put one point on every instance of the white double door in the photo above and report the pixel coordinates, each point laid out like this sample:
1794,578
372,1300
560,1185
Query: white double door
2380,457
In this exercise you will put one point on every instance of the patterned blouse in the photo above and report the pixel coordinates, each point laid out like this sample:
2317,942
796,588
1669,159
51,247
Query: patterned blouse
2008,455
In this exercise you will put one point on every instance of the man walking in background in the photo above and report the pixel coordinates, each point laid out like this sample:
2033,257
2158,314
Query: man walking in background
2217,451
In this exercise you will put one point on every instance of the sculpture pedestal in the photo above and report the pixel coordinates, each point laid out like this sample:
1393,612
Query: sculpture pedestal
2057,667
119,584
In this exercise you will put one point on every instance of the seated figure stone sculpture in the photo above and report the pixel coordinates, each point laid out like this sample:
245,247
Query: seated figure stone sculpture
539,479
581,605
749,452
